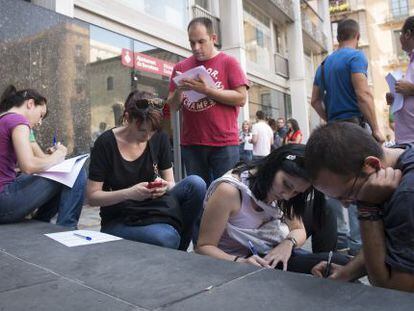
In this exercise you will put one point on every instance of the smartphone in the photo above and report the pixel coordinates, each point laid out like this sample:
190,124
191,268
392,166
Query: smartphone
154,184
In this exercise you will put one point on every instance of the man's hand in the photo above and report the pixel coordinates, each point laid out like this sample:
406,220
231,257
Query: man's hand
337,271
380,186
379,137
404,87
389,97
198,85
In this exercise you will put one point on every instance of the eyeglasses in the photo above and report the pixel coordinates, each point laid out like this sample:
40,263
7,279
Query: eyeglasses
155,103
352,193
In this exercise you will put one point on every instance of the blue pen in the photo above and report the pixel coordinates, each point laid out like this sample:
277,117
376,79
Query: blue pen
88,238
252,248
54,139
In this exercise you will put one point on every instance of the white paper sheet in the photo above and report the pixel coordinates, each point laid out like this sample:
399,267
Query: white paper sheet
69,239
195,73
391,79
67,171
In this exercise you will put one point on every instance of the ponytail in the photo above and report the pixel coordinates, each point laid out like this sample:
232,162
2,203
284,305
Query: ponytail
11,97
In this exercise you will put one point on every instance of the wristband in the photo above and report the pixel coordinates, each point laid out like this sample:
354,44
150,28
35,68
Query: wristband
368,211
293,240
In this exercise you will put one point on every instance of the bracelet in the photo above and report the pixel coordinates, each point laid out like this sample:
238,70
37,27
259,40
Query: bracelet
293,240
235,258
369,211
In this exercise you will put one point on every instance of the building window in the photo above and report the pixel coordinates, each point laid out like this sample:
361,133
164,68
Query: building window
171,12
109,83
399,8
257,35
78,50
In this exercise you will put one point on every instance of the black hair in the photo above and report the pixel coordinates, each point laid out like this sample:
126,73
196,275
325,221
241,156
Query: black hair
11,97
408,25
341,148
290,159
134,106
260,115
347,29
295,124
205,21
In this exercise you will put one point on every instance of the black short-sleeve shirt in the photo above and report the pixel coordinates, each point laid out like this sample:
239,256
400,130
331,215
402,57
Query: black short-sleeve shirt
399,217
108,166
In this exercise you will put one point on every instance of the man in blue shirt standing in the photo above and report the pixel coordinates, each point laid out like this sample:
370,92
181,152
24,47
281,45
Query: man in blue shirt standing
340,91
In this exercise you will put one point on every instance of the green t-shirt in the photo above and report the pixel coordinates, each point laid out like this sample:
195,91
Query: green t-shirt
32,136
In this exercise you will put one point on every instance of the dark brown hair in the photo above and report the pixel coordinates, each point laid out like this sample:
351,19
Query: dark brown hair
347,30
11,97
143,109
205,21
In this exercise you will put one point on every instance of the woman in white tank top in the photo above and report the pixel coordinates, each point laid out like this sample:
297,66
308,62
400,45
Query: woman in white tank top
238,205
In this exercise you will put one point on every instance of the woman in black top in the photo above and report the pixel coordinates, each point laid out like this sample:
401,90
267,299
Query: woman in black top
122,166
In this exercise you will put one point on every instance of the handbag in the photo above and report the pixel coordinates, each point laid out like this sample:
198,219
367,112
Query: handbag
165,209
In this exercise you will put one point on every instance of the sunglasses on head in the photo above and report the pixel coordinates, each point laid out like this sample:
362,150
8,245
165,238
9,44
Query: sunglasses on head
155,103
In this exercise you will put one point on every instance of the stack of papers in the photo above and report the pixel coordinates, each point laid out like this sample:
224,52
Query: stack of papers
199,72
67,171
81,237
391,79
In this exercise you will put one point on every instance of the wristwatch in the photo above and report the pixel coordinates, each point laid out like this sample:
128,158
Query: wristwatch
293,240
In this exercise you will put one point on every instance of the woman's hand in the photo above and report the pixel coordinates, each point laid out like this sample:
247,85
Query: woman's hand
61,151
140,192
159,191
280,253
256,261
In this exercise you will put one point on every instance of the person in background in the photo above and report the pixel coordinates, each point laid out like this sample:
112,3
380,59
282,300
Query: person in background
277,141
403,119
281,128
210,132
122,166
246,148
21,195
262,138
294,135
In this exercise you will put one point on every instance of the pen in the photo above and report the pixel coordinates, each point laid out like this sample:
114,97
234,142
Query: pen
252,248
328,265
88,238
54,139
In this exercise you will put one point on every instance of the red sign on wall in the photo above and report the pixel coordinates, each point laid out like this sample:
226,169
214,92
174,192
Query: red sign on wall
146,63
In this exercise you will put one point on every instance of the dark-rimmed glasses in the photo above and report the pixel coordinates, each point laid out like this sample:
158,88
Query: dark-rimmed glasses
155,103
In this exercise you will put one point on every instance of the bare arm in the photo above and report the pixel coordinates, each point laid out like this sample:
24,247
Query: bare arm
37,151
174,99
379,273
366,103
28,162
317,103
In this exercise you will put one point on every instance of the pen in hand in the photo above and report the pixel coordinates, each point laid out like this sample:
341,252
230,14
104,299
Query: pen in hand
88,238
252,248
328,265
54,139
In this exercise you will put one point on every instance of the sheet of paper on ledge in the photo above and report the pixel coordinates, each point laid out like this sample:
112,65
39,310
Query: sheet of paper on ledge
67,171
69,239
195,73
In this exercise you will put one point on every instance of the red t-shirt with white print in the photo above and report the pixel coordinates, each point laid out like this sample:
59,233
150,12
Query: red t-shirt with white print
207,122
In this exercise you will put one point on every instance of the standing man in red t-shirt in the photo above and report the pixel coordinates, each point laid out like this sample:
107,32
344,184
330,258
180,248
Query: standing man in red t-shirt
209,136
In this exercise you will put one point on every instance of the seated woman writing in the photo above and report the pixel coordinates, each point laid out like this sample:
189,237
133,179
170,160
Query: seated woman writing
22,194
254,214
122,166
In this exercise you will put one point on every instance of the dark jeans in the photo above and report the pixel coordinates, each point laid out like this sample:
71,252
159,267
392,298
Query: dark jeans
28,193
209,162
302,261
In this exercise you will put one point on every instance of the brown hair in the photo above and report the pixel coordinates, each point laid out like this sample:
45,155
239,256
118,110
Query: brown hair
347,30
205,21
11,97
142,109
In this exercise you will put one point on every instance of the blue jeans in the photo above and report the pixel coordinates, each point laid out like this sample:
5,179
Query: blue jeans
349,235
28,193
209,162
245,155
190,194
